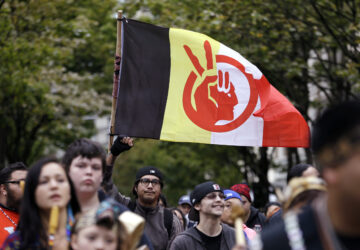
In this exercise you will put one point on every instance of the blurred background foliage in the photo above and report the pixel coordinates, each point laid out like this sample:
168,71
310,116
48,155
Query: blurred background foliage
55,73
56,66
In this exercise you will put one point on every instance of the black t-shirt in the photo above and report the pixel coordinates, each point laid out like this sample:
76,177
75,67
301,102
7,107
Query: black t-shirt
350,243
210,243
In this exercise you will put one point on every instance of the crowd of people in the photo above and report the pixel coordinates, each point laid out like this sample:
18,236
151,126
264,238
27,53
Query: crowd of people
74,204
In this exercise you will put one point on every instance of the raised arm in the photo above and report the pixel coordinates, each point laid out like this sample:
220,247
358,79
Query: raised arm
120,145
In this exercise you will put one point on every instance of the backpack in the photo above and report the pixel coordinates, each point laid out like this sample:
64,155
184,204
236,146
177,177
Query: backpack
168,216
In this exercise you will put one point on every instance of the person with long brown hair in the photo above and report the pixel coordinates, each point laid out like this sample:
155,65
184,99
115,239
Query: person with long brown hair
47,187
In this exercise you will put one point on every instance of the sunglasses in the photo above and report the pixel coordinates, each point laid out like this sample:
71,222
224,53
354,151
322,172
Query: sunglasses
213,195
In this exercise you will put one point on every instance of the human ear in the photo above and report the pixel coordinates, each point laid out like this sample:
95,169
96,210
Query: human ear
330,176
3,189
73,242
197,206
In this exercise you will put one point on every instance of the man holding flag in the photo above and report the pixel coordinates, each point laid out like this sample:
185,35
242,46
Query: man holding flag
161,225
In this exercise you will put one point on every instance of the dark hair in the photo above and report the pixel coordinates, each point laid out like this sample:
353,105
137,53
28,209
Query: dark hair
304,198
163,199
182,215
297,170
269,204
121,235
335,134
6,172
30,225
87,219
85,148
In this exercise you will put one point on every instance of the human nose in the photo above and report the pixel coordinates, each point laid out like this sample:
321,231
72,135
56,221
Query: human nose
88,170
219,198
99,244
53,183
151,184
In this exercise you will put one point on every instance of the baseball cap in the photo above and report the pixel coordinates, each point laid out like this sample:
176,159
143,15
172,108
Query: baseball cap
199,192
149,170
229,194
185,199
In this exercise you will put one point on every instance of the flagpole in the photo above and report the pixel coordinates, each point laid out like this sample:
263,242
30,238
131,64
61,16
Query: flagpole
115,84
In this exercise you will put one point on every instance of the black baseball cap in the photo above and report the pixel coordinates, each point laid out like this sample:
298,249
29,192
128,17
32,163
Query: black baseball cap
149,170
199,192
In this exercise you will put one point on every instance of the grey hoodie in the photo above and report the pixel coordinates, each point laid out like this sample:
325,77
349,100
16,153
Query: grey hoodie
191,239
154,226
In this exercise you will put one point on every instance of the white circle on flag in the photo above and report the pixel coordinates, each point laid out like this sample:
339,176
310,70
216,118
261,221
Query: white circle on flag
242,89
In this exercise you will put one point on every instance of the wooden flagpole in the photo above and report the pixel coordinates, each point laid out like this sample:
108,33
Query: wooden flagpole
115,87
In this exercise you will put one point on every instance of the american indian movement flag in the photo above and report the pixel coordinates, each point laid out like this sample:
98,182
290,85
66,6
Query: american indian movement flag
179,85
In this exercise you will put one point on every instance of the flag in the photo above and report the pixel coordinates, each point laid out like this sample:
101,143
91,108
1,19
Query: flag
179,85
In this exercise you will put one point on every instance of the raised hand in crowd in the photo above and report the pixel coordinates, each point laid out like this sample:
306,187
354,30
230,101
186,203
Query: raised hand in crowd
121,144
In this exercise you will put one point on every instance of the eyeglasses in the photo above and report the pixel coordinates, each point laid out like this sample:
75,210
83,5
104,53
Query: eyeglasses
145,182
14,182
213,195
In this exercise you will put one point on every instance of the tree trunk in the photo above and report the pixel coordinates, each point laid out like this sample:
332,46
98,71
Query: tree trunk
261,188
2,147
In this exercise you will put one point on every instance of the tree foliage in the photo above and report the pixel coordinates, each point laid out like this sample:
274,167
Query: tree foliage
56,72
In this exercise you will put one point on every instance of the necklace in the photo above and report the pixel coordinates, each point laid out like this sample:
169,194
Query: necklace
7,216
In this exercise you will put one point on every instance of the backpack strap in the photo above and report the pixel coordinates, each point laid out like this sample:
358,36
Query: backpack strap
168,220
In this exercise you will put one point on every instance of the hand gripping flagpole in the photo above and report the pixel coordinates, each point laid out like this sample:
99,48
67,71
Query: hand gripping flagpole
116,78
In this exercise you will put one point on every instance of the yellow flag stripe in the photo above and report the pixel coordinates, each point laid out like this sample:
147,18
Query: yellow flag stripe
176,125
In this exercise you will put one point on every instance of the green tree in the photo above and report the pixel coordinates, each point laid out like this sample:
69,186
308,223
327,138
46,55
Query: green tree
56,71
